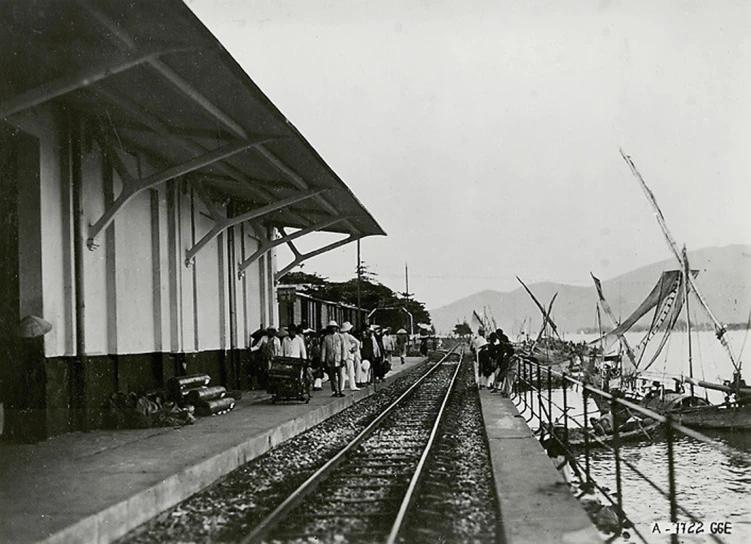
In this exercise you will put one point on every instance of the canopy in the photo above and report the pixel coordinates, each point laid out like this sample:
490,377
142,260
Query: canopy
147,78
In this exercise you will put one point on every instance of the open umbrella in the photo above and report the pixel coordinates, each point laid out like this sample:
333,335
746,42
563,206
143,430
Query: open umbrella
32,326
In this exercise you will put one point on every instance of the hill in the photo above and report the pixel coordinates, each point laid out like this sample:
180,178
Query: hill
724,280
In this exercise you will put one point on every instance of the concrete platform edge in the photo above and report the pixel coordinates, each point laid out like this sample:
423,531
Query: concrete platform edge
536,505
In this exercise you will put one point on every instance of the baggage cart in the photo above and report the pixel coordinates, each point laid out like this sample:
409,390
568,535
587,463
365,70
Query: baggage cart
288,379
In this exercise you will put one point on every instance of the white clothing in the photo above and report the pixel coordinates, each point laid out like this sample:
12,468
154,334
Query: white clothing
388,343
294,347
478,342
360,376
352,353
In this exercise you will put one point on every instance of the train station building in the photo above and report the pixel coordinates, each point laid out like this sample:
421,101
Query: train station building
145,182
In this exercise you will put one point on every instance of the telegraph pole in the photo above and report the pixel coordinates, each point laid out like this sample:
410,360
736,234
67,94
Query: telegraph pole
359,278
407,298
406,294
406,280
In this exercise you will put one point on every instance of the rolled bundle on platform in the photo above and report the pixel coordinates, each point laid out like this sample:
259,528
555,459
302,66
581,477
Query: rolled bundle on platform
184,395
177,386
216,406
204,394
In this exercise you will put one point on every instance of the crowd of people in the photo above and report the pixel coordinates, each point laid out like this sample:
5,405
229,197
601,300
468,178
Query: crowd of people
346,358
496,362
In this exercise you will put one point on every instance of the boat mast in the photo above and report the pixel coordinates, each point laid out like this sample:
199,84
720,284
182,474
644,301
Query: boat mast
720,329
614,321
686,275
545,314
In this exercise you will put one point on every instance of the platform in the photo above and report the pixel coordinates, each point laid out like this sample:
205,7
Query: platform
97,486
537,506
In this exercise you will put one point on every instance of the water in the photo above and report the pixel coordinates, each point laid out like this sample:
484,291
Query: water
714,485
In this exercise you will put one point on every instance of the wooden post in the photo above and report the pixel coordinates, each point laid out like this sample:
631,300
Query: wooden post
359,294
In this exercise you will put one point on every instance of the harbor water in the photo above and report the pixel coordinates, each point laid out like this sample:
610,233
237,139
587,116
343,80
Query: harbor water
714,485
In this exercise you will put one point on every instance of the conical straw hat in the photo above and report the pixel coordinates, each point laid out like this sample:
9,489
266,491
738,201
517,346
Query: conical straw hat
32,326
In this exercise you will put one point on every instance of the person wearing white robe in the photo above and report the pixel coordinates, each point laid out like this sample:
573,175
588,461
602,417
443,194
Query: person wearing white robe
293,345
352,347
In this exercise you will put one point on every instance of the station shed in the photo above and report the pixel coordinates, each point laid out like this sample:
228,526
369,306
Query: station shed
145,184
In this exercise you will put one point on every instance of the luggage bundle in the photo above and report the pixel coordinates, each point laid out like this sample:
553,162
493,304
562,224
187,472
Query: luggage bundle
195,391
142,411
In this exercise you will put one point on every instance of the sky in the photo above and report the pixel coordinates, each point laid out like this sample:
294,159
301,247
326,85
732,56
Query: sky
483,135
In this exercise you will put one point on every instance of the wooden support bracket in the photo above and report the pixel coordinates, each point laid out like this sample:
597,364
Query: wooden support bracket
135,186
270,244
253,214
283,272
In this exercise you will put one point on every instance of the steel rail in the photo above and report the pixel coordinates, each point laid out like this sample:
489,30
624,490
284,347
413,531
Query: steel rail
296,497
410,495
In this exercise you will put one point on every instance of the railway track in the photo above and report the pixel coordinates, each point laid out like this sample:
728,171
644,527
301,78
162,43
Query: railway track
364,493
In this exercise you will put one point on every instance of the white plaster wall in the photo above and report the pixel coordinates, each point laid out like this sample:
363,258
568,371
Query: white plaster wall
122,292
207,268
95,262
134,276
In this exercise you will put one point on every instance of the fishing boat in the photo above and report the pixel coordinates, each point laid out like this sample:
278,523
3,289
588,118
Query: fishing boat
635,429
669,297
733,414
618,372
549,348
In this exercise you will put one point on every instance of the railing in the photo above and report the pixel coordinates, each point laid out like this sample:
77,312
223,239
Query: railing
533,395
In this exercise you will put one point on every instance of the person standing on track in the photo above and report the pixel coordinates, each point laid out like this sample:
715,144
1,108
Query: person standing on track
333,356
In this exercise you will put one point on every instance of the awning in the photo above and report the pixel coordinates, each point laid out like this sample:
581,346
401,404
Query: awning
151,79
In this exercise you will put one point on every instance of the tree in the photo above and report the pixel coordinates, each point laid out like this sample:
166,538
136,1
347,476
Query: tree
462,329
366,274
303,278
373,294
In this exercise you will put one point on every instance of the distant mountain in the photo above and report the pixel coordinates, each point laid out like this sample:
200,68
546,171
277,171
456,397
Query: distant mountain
724,280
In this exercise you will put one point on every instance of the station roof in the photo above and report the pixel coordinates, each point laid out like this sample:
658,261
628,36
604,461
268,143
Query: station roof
156,82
